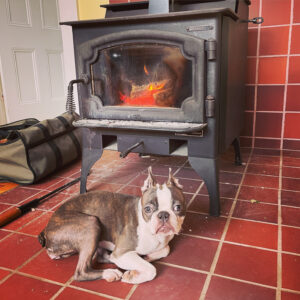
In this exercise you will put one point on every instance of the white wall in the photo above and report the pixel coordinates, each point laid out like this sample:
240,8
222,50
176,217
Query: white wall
68,12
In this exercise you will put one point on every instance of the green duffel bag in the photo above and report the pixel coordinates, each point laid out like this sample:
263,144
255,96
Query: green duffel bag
38,149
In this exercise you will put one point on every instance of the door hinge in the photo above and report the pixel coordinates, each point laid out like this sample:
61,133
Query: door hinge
211,49
210,106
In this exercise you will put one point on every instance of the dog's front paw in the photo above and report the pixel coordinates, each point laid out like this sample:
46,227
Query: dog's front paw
112,275
136,277
130,276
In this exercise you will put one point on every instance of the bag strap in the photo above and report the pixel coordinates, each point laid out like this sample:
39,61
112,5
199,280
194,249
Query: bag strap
71,134
55,149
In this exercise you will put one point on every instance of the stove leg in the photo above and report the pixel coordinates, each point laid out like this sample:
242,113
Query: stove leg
89,157
237,152
207,168
92,150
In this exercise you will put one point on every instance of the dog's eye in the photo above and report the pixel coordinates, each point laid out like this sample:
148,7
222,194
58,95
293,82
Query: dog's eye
177,207
148,209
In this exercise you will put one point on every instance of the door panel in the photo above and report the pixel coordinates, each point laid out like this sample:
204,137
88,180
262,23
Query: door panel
31,59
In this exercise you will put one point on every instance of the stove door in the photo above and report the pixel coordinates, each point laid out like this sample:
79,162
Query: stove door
144,75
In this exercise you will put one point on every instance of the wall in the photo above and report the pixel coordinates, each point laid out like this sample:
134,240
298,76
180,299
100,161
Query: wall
90,9
272,116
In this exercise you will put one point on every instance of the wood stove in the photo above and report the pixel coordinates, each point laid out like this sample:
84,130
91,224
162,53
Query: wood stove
167,82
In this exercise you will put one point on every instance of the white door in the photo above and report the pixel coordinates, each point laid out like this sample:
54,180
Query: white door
31,59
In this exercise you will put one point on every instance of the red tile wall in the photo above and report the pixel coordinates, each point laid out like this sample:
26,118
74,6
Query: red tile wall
272,116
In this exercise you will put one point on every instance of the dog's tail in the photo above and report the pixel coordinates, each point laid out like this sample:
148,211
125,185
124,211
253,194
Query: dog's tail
42,239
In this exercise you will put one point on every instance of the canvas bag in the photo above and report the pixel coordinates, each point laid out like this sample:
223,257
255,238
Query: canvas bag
39,148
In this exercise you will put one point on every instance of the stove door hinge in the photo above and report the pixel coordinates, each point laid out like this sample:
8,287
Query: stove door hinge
210,106
211,49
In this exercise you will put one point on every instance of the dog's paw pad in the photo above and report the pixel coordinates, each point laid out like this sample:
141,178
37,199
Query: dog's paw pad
112,275
129,276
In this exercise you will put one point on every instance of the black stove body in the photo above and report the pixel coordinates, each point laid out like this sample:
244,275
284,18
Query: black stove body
168,83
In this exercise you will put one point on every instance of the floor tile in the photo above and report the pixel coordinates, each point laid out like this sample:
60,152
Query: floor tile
74,294
260,194
3,234
59,270
131,190
187,173
203,225
201,204
229,166
291,239
172,284
263,169
17,195
260,180
290,272
292,153
225,289
291,161
256,211
201,252
248,264
20,248
290,198
291,172
289,296
103,186
252,233
3,273
226,190
119,177
292,184
290,216
266,160
267,152
228,177
25,288
36,226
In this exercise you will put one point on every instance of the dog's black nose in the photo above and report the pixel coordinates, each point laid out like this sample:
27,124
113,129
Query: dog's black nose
163,216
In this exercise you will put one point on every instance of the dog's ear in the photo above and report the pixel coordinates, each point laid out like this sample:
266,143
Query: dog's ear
173,181
149,182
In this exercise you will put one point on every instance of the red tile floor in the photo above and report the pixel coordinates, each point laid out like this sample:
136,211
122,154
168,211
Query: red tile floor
252,251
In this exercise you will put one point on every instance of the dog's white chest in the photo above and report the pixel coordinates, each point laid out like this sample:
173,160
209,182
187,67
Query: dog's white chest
147,243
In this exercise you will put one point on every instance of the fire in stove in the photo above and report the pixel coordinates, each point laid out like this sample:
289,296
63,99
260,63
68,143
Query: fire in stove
154,93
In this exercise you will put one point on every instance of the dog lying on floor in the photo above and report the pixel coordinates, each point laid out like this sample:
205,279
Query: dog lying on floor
117,228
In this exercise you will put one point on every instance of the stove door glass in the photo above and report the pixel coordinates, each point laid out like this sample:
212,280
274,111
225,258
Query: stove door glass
142,75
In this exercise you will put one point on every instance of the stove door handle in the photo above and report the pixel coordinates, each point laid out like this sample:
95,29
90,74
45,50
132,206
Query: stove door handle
256,20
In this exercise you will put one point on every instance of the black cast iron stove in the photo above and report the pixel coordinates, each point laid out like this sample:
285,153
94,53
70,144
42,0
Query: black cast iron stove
167,82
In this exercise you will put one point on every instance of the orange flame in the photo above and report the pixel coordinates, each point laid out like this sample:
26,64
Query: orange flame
145,97
145,69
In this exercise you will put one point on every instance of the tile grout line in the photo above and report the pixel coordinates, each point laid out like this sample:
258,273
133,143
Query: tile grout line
287,74
279,241
279,245
195,195
218,251
66,284
256,77
130,293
